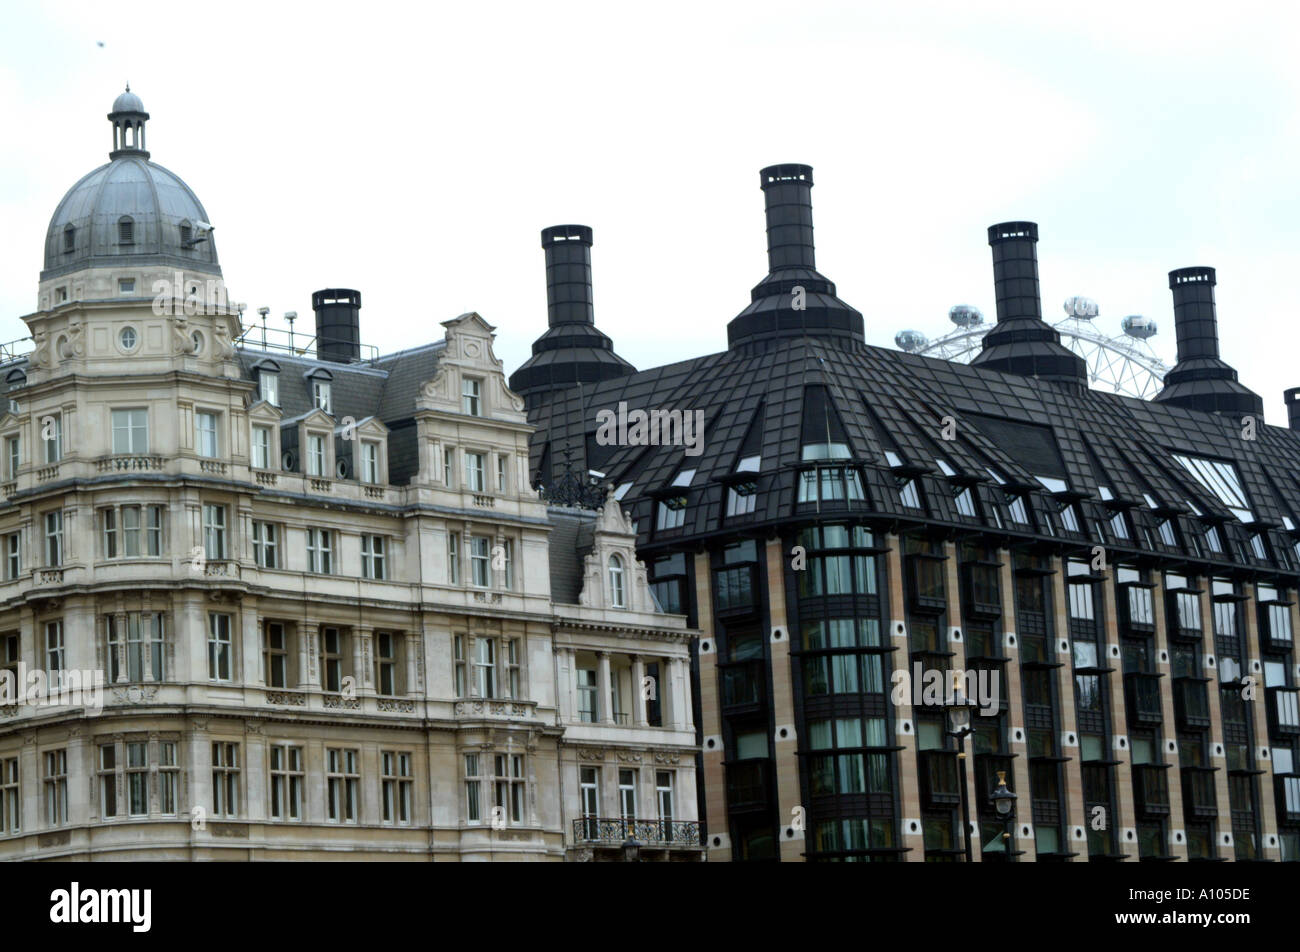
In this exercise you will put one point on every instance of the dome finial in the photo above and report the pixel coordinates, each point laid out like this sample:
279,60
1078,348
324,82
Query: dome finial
128,85
128,118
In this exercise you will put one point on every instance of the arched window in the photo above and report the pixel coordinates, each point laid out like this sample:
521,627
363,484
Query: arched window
69,238
616,581
126,230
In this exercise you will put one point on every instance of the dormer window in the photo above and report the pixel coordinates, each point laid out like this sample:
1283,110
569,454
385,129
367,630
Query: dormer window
671,512
1257,547
966,503
1222,479
1017,511
315,455
471,396
268,387
69,239
909,496
369,461
320,395
187,234
616,597
126,230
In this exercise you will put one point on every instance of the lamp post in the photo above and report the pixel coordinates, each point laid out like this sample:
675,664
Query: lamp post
959,717
1004,803
631,850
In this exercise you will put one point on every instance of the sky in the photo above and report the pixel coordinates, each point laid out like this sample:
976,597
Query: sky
415,151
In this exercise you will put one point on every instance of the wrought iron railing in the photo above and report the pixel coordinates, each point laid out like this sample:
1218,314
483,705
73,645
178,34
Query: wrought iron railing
573,491
615,832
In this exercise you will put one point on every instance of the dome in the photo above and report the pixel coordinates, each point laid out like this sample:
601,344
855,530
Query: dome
128,102
130,212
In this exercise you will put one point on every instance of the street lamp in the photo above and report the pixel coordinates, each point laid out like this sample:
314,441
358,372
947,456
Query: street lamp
631,850
1004,803
959,716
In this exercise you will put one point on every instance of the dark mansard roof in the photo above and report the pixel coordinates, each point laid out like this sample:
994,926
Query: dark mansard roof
386,388
1057,443
799,386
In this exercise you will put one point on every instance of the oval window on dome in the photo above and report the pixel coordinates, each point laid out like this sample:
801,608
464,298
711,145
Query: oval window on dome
128,338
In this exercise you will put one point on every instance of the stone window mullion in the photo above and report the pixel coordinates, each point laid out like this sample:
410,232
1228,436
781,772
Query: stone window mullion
119,620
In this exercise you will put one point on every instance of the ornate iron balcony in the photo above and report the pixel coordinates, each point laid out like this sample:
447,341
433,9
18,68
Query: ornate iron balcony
653,833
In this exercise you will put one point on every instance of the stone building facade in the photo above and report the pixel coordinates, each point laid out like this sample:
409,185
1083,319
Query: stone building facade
315,585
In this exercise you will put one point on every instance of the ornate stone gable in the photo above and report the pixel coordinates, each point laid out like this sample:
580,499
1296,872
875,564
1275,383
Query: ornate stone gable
615,537
469,352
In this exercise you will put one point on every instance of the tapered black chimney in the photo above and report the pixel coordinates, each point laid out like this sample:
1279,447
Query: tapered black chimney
794,300
1200,380
787,199
568,274
1292,398
338,324
572,351
1022,342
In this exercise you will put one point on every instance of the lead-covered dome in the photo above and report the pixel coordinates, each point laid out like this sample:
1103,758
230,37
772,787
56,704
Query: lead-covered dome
130,212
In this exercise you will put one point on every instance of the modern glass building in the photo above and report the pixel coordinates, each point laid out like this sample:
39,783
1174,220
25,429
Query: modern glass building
1113,580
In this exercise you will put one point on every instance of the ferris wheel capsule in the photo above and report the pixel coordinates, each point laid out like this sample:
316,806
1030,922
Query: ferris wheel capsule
1081,308
911,341
964,315
1135,325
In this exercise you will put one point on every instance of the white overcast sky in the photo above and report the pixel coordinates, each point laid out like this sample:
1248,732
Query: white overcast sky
415,151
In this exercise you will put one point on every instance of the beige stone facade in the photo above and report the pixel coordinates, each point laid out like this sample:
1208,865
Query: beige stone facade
298,665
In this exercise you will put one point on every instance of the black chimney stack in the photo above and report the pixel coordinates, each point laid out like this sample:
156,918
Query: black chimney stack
1022,342
572,351
1200,380
568,274
338,324
1292,398
794,300
787,201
